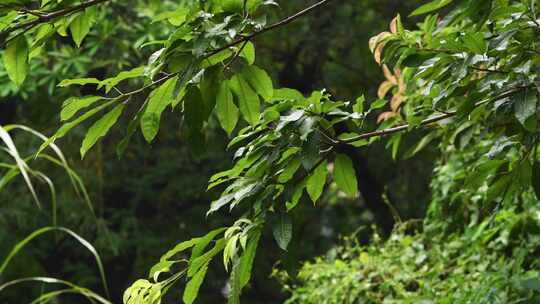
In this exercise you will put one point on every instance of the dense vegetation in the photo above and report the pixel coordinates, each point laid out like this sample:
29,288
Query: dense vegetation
406,155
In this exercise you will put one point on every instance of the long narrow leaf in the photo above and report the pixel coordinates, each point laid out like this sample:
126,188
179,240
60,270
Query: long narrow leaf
90,295
19,246
6,138
76,181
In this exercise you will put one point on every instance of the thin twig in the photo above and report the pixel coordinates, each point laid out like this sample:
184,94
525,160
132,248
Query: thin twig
488,70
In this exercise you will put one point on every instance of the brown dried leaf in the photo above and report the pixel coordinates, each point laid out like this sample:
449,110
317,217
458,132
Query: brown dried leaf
376,40
388,74
396,102
384,88
393,25
385,116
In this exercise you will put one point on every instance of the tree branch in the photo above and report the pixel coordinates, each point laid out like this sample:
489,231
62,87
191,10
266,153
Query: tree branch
243,39
271,27
425,121
46,17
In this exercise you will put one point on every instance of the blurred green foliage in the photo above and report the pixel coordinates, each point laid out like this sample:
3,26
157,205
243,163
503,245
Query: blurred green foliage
494,260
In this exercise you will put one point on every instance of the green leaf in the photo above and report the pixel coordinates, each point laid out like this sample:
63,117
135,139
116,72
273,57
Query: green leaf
204,259
316,182
290,170
133,73
11,148
234,282
283,230
72,105
226,110
37,233
430,7
6,20
203,243
358,107
288,153
248,53
234,6
176,17
179,248
194,109
259,81
475,42
80,26
247,99
297,195
377,104
209,88
16,60
420,145
131,128
345,176
159,99
70,125
536,178
246,261
525,104
100,128
192,288
78,81
287,94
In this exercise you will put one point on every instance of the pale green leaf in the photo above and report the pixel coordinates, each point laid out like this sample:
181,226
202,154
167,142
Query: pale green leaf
179,248
358,107
248,53
287,94
80,26
78,81
192,288
15,59
72,105
430,7
203,242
